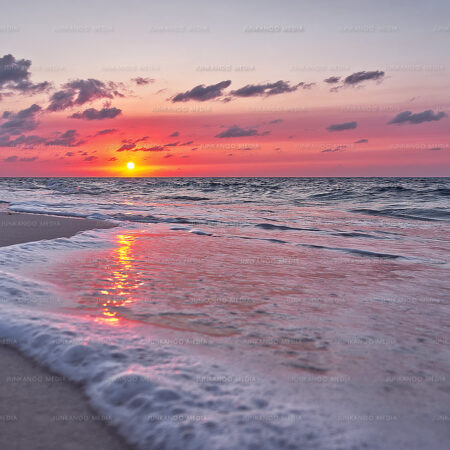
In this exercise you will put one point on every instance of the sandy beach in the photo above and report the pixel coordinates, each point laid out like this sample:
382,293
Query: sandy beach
17,228
41,410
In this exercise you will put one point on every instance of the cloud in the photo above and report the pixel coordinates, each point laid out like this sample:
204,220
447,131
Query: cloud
20,122
90,158
69,154
276,121
130,144
132,147
105,131
202,93
15,76
69,138
342,126
112,159
126,147
334,149
409,117
79,92
332,80
306,85
14,158
142,81
174,134
22,140
10,159
97,114
156,148
359,77
235,131
361,141
28,159
186,143
267,89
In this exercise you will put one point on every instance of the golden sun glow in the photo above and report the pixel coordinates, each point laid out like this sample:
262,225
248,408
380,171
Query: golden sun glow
130,165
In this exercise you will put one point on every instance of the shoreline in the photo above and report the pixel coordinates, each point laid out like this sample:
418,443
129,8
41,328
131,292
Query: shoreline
19,228
40,410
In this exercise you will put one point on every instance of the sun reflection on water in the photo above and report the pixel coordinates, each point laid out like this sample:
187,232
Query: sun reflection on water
122,284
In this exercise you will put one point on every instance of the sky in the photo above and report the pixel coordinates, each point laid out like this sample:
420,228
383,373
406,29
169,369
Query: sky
235,88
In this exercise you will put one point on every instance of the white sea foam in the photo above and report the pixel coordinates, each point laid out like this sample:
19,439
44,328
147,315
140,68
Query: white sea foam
157,395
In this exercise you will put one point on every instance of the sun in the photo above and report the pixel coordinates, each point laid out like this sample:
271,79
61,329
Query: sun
130,165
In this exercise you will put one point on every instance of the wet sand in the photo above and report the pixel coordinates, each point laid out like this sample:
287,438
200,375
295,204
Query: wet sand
17,228
40,410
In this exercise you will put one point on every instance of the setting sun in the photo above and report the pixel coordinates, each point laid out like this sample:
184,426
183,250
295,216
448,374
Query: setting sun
130,165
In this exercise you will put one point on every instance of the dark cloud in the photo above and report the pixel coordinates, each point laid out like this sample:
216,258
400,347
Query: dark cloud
105,131
306,85
342,126
202,93
267,89
332,80
21,140
174,134
134,141
361,141
334,149
142,81
69,138
235,131
20,122
126,147
90,158
112,159
14,158
15,76
186,143
130,144
69,154
155,148
359,77
425,116
79,92
14,125
276,121
132,147
28,159
61,100
97,114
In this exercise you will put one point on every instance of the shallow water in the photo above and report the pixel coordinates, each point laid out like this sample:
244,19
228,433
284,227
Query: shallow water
243,313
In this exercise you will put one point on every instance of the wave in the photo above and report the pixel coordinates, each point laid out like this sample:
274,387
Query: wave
157,394
186,197
406,213
355,251
270,226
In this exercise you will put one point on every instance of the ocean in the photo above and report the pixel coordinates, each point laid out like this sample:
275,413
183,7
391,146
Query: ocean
242,313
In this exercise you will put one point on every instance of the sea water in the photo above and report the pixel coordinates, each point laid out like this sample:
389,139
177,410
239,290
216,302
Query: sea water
250,313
